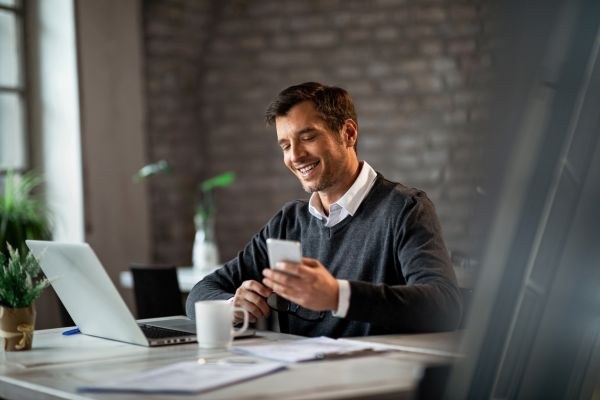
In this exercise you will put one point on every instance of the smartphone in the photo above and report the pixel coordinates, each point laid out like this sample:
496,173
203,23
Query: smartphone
283,250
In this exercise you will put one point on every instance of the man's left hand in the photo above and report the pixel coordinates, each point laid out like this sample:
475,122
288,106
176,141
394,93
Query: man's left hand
308,284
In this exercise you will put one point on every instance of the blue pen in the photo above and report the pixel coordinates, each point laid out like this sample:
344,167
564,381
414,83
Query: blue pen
71,332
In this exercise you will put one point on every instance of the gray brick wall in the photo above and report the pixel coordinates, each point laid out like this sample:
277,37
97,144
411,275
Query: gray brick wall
417,71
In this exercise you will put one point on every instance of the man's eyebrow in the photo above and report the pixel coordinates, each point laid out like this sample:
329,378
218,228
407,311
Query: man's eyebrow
305,130
300,132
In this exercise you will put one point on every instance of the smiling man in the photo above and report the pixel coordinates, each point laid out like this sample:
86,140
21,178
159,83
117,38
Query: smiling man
375,261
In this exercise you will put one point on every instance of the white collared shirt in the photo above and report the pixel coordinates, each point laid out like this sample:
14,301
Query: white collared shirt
349,202
340,210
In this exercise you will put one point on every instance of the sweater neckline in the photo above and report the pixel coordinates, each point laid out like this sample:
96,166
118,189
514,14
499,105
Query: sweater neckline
342,224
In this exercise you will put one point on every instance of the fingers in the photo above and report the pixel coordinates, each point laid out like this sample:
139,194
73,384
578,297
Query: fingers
301,270
257,303
251,295
287,273
282,277
311,262
284,283
308,284
256,287
306,266
288,268
255,311
286,291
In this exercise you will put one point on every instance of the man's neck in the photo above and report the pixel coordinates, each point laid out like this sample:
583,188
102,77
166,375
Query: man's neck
328,197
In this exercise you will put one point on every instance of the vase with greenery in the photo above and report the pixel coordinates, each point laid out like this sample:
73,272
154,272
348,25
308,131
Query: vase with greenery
205,254
21,282
23,214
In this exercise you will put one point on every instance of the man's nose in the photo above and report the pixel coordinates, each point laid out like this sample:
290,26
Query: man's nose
297,152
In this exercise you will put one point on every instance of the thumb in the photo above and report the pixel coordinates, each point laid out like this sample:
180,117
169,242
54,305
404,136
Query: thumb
311,262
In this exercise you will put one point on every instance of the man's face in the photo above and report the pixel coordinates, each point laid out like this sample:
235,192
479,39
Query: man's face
322,160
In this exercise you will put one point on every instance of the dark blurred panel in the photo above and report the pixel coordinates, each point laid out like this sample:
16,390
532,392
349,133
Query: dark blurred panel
156,291
534,327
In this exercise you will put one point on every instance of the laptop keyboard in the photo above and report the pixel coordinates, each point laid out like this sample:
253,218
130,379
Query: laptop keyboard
155,332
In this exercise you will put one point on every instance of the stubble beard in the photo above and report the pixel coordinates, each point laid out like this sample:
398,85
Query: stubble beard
322,184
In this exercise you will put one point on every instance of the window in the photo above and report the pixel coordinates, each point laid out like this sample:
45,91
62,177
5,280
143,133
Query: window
12,87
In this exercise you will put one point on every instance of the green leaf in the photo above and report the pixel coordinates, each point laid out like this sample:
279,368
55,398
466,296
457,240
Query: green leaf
221,180
23,214
149,170
21,279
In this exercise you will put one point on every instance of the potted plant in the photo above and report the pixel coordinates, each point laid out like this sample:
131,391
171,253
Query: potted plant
21,282
205,255
23,215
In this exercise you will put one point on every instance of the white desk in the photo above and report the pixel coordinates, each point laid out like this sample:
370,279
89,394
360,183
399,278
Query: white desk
186,276
58,364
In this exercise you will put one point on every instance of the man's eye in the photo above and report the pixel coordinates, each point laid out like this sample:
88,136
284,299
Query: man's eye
285,147
308,138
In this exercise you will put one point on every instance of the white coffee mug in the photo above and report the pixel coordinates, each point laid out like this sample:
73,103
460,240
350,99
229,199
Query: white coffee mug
214,323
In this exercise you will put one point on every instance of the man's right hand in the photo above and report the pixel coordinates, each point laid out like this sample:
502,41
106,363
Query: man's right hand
252,296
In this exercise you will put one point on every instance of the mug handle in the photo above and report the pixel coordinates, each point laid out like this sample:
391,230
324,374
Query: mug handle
244,328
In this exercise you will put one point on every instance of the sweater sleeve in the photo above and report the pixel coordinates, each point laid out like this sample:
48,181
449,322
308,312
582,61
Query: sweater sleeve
248,265
430,300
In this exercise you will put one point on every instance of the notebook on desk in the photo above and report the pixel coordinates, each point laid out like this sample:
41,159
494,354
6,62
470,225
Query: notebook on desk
88,294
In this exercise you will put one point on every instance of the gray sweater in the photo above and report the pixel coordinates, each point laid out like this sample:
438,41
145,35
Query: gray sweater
391,251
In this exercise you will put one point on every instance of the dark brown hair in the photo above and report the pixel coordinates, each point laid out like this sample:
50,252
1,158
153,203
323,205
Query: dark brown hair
333,103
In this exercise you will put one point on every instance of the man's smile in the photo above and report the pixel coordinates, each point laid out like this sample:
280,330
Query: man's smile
305,170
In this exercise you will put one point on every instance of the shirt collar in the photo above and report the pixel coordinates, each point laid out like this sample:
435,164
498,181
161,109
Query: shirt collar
353,197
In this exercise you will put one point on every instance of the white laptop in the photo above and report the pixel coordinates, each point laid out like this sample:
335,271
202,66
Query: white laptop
93,302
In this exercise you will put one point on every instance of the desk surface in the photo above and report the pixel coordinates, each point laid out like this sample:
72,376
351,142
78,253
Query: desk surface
58,364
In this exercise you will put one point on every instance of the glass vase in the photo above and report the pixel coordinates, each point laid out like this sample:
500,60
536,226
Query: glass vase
205,256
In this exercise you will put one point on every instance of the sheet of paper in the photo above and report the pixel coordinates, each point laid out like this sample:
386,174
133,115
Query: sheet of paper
308,349
186,378
407,348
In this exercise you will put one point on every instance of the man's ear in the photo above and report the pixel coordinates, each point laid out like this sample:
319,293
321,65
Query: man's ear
350,132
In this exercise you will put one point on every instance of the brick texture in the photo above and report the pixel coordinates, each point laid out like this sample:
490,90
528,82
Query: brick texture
417,71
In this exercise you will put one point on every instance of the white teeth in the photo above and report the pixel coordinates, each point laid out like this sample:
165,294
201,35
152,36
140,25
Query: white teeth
305,170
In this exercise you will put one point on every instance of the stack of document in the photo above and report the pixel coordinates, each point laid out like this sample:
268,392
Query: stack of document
198,377
186,378
310,349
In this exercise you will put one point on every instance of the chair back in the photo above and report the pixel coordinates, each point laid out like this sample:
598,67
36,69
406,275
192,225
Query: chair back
156,290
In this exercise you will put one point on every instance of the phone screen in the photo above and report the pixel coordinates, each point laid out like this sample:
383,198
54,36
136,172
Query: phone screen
283,250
